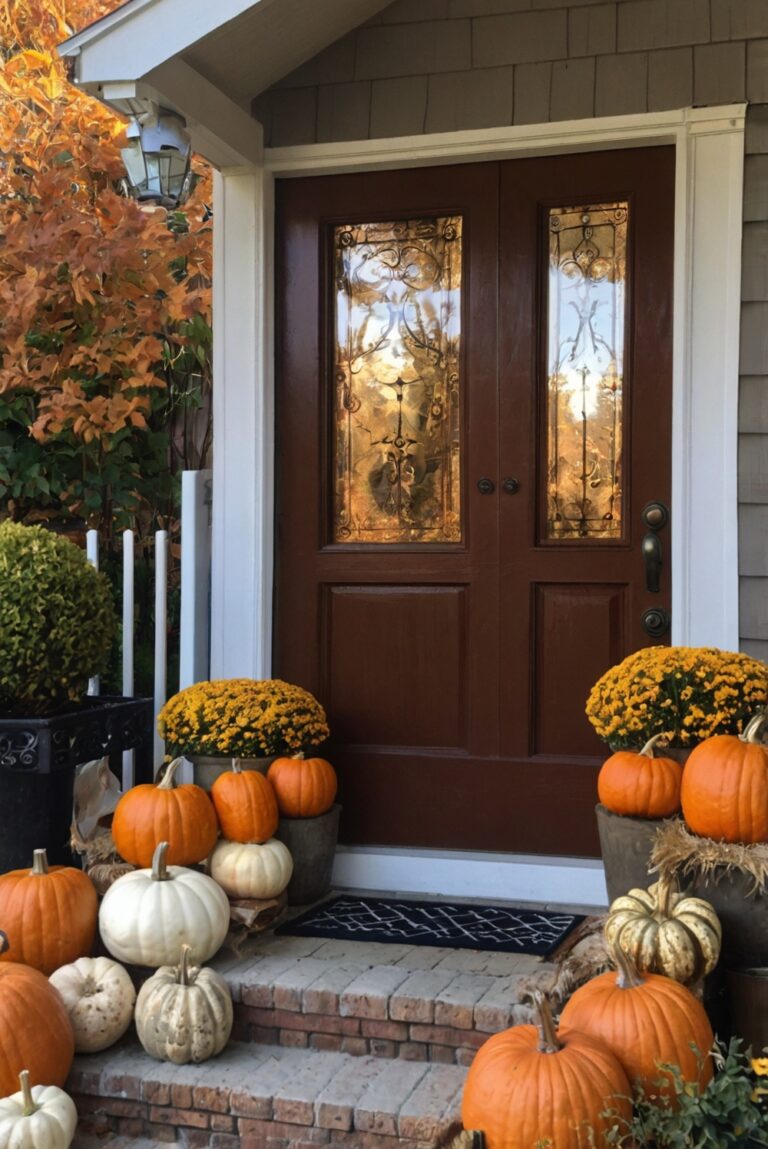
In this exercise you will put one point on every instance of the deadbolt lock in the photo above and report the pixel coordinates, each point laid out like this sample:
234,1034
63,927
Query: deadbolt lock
656,621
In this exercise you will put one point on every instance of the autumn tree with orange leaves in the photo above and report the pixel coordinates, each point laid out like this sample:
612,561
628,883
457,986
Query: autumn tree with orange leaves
105,333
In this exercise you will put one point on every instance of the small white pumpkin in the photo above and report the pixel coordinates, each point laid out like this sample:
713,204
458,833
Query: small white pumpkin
184,1013
99,996
248,870
148,915
41,1118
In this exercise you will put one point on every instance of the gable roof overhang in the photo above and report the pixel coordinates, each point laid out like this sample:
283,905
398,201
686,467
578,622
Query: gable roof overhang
206,60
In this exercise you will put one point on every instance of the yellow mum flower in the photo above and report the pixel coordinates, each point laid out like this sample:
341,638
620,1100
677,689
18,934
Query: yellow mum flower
243,718
685,693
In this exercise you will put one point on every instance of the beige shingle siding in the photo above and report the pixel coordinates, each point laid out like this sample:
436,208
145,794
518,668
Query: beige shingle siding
550,59
441,65
753,391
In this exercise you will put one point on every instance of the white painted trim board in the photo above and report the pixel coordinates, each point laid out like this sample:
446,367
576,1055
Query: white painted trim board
459,874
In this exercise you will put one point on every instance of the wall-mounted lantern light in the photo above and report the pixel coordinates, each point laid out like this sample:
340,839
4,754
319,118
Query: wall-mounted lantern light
157,158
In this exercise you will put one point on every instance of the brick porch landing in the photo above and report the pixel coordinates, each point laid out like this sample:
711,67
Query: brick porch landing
419,1003
349,1044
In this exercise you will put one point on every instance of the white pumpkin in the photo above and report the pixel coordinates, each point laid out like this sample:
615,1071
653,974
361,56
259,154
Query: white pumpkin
148,915
248,870
184,1013
99,996
41,1118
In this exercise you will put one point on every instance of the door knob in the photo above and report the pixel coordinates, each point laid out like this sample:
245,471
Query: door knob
652,557
511,486
655,621
486,486
655,516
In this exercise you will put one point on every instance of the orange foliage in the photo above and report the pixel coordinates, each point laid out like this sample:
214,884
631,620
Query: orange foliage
95,289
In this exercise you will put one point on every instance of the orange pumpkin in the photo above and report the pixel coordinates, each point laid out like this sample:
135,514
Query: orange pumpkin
646,1020
48,914
535,1086
35,1027
639,785
725,787
305,787
245,805
164,812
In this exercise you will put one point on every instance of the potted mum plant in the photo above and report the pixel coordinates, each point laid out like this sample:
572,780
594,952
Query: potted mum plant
57,625
274,727
210,723
658,704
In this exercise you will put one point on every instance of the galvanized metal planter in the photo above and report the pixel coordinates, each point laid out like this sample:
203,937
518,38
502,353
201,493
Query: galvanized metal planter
208,767
312,842
625,844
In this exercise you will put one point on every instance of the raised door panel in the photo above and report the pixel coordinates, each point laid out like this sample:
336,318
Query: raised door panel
578,630
395,665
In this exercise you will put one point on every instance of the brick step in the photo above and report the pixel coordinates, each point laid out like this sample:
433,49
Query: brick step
416,1003
88,1142
263,1097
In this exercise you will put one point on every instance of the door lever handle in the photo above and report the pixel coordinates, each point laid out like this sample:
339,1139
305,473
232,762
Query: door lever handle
652,557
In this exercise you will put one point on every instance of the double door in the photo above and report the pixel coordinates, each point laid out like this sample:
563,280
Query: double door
473,469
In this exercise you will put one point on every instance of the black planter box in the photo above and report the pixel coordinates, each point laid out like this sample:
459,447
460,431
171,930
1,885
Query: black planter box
38,759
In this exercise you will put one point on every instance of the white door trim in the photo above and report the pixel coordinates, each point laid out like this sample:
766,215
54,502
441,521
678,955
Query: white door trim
709,147
243,416
521,140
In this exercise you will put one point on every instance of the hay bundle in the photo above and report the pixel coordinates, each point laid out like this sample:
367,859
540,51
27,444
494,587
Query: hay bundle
677,853
582,956
100,860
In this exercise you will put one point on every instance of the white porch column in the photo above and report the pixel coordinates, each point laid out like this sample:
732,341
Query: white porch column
710,167
243,485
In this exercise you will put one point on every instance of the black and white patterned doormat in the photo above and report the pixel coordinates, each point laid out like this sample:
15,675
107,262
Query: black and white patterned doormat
460,926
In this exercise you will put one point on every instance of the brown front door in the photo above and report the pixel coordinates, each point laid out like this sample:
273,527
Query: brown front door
473,411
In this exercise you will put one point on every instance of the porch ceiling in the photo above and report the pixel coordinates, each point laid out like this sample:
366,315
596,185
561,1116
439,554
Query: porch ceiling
207,60
250,53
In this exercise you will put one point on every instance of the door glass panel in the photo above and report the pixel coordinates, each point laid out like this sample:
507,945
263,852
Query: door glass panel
585,370
396,410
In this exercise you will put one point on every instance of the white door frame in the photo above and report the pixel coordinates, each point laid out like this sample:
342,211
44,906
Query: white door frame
709,145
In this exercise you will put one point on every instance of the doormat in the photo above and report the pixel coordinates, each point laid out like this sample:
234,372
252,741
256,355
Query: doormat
503,929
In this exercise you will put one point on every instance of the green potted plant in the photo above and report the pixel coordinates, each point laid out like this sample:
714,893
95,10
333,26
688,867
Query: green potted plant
731,1111
57,625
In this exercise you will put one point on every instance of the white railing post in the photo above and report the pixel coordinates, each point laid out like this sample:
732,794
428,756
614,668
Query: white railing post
161,637
194,655
195,625
92,554
128,640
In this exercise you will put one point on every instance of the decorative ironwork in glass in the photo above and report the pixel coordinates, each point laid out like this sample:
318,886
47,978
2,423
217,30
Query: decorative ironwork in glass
585,369
397,417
